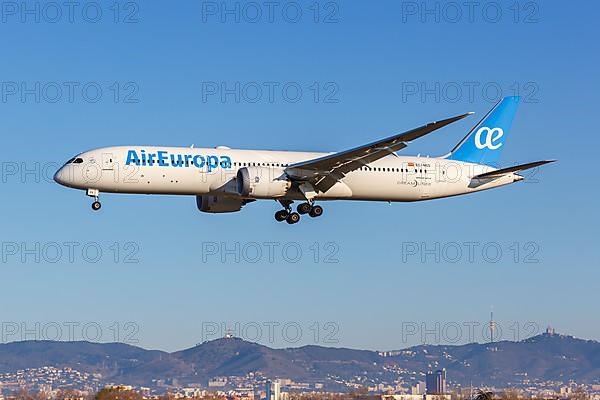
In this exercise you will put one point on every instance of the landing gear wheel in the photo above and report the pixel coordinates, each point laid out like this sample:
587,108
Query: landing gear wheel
281,215
316,211
303,208
96,205
293,218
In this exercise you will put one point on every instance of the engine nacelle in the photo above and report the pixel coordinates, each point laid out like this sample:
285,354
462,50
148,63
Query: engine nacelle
262,182
219,204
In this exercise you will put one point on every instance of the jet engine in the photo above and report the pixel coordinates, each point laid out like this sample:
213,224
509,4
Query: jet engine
219,204
262,182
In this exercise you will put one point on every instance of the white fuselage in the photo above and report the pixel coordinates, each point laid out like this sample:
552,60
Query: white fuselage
212,171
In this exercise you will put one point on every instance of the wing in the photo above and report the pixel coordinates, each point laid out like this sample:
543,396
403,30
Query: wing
325,171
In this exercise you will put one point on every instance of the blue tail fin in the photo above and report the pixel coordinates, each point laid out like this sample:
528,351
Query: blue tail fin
484,143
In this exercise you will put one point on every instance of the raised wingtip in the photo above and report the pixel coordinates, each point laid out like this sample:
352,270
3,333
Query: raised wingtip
450,120
465,115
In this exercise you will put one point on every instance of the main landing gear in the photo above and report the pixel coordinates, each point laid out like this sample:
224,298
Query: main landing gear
316,211
292,217
95,193
287,215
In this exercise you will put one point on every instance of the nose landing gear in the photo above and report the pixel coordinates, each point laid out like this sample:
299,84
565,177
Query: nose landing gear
95,193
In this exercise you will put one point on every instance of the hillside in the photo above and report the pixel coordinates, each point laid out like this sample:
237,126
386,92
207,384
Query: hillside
540,358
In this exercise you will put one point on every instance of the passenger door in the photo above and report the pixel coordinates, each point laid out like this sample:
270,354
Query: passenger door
425,180
107,162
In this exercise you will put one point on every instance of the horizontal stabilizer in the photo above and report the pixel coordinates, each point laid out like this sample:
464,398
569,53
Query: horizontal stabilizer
501,172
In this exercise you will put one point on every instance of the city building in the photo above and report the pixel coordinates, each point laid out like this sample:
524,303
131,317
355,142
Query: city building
401,397
419,388
217,382
273,390
437,397
435,382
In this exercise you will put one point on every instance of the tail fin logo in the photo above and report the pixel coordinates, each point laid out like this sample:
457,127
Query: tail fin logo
492,136
485,141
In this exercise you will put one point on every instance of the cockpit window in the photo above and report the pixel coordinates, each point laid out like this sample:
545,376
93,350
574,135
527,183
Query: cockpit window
78,160
71,160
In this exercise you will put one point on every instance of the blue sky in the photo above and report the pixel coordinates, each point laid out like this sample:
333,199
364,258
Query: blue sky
378,69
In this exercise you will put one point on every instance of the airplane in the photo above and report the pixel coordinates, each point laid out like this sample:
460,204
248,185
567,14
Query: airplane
224,180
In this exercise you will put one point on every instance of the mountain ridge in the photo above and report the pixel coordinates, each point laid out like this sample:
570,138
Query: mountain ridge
545,357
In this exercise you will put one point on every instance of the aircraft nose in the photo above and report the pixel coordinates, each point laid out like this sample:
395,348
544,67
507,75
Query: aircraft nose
59,176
